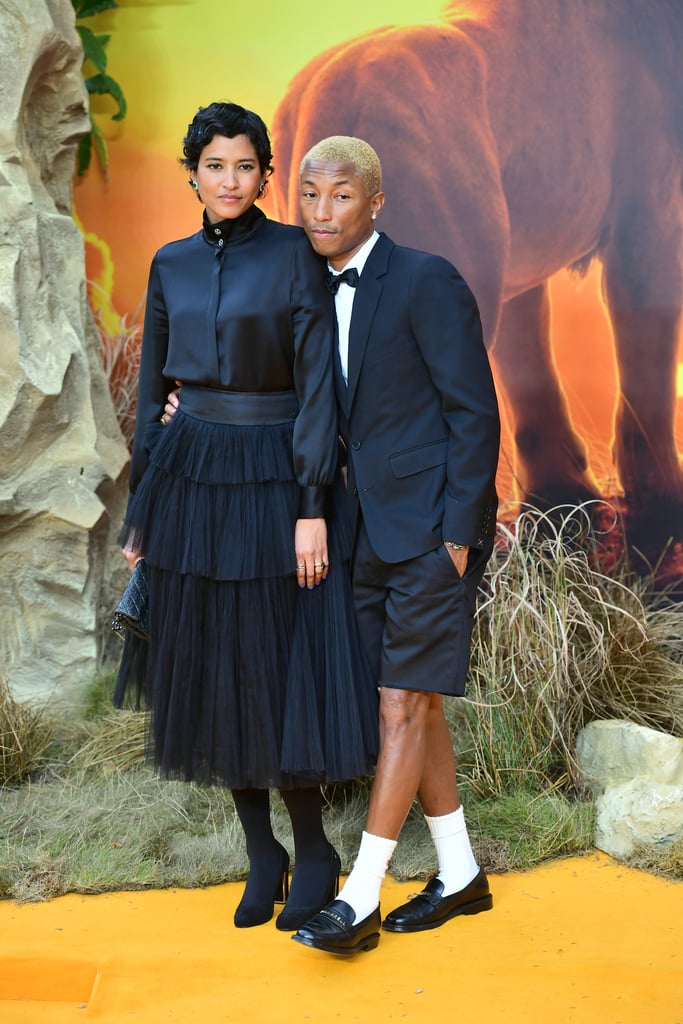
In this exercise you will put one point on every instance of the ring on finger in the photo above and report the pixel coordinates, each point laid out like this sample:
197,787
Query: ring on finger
299,568
318,565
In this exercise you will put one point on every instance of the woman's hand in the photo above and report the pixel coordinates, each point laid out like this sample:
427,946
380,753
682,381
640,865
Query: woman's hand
172,403
310,544
132,557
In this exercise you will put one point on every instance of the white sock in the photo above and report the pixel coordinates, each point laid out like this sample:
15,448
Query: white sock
362,887
457,866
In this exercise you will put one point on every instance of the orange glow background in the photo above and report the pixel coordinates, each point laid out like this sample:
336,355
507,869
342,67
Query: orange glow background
171,57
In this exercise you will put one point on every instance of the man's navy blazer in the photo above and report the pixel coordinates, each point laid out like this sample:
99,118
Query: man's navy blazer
419,416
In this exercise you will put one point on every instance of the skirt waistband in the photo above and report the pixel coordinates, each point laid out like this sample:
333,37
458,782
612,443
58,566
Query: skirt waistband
242,407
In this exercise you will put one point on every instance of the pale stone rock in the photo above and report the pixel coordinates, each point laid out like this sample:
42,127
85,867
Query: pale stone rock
62,457
639,811
636,774
612,752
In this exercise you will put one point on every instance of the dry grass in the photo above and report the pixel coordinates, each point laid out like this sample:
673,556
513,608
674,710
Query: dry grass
557,644
115,831
121,362
113,742
26,734
666,861
130,830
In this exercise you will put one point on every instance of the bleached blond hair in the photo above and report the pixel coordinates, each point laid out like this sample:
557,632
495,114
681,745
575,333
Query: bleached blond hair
349,150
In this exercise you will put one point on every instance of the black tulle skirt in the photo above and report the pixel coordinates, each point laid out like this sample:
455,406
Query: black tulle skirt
249,680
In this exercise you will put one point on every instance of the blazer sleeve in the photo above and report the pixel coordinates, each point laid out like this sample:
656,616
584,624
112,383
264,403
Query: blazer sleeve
446,323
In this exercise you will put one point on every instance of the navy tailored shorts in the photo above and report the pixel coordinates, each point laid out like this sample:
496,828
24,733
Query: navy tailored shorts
416,616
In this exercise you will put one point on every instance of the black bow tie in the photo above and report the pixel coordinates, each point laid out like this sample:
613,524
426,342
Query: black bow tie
349,276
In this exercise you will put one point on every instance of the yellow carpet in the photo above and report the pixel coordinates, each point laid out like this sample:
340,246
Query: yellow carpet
581,940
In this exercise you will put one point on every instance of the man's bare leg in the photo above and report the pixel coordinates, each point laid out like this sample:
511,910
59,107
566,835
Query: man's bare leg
416,742
438,788
416,758
438,794
416,755
404,717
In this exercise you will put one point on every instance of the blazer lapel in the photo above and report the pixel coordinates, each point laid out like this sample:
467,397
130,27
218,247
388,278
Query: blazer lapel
365,303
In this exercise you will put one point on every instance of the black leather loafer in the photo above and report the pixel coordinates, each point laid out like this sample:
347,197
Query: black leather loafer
430,908
333,930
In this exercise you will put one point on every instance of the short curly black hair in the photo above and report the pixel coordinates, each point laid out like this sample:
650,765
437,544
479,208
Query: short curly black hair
228,119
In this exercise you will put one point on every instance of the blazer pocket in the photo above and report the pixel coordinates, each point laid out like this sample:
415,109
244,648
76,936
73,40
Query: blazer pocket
414,460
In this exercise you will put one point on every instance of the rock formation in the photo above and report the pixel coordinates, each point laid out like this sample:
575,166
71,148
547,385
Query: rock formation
636,775
62,457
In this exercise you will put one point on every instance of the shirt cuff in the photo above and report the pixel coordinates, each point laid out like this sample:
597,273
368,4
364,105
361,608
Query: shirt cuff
314,502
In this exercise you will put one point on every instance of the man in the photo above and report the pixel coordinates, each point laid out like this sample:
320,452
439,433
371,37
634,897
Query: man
419,418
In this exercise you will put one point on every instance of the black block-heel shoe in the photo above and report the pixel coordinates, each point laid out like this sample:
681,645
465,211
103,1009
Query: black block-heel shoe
256,907
296,914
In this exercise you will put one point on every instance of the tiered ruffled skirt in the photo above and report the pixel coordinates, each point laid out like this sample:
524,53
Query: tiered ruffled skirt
250,681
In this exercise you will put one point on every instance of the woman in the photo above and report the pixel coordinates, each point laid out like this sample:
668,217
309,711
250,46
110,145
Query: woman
254,673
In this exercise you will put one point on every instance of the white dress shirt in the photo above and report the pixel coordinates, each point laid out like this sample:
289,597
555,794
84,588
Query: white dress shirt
343,301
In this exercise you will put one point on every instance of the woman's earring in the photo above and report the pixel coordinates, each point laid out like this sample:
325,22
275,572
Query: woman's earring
374,216
261,188
193,184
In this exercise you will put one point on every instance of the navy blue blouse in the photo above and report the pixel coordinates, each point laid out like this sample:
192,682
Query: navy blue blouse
242,306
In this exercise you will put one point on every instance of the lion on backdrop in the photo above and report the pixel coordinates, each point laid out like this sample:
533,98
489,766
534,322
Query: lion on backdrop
518,137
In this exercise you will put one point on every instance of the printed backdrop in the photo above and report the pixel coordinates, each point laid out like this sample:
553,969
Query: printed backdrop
171,57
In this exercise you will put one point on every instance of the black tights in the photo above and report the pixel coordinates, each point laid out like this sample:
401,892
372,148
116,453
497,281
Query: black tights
312,851
305,811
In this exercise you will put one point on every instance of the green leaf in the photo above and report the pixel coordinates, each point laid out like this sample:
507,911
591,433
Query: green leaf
103,85
85,148
83,155
101,148
93,48
87,8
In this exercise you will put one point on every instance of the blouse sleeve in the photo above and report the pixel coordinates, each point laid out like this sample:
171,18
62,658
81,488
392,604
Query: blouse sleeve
153,386
315,430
